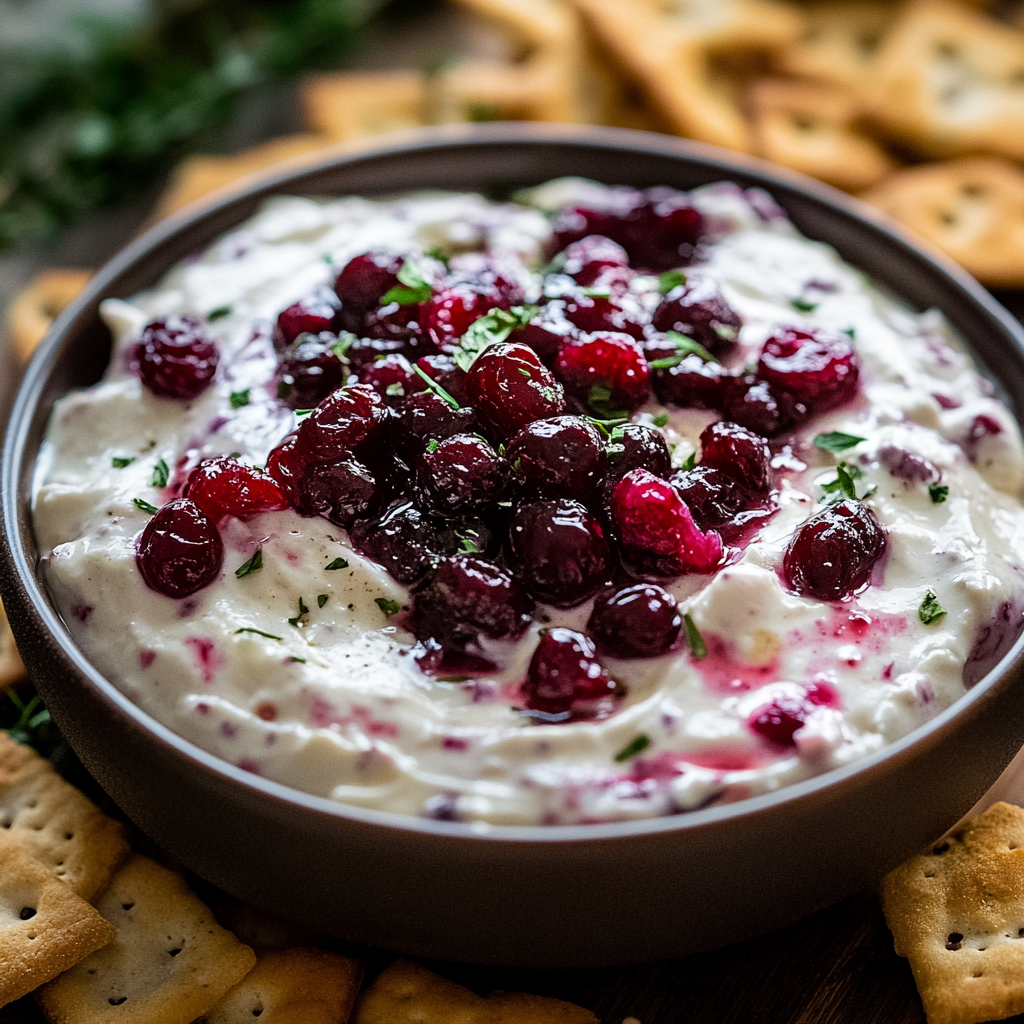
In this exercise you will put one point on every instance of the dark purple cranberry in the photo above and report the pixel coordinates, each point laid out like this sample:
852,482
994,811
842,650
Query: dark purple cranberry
342,422
466,600
364,352
606,215
636,446
392,378
585,260
311,315
908,466
668,231
403,540
713,497
563,457
607,371
698,310
758,406
340,490
832,554
424,417
177,358
180,550
509,387
656,531
619,314
559,551
449,314
364,279
778,721
738,452
547,332
642,621
442,368
565,679
226,487
309,370
398,323
461,475
490,273
691,383
817,368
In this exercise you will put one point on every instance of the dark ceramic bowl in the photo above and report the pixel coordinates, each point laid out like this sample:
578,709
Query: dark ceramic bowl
562,896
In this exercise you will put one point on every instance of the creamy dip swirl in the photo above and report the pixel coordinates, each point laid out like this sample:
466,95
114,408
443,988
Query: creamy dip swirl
332,701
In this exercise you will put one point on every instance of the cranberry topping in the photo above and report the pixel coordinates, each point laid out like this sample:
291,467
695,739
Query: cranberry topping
691,383
585,260
642,621
392,378
778,721
698,310
656,529
565,678
460,475
180,550
423,417
311,315
442,368
815,367
287,464
740,453
593,313
466,600
908,466
611,366
559,551
832,554
309,370
449,314
403,540
761,408
340,491
510,387
562,457
342,422
226,487
636,446
713,497
177,358
547,332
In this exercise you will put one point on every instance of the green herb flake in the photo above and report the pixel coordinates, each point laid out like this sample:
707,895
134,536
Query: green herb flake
669,280
416,287
850,332
338,563
438,254
239,399
698,648
144,506
599,399
119,463
524,372
258,632
684,347
284,388
297,620
161,474
345,341
803,306
836,441
297,660
387,606
322,599
469,542
596,293
218,314
395,389
938,493
690,461
491,329
253,564
435,387
930,610
633,747
33,719
661,420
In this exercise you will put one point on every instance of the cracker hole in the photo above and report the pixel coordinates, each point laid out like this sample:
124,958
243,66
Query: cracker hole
27,913
929,874
127,906
949,219
954,941
32,804
91,970
947,49
978,974
31,937
173,952
69,835
972,191
117,1002
868,42
940,849
803,123
257,1011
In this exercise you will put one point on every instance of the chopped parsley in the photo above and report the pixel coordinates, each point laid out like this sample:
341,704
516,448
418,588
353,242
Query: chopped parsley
219,313
345,341
850,332
239,398
661,420
119,463
438,254
322,599
938,493
596,293
698,648
33,719
684,347
690,460
803,306
433,445
843,486
254,564
258,632
930,610
338,563
295,658
607,427
161,474
435,387
469,542
416,289
836,441
600,401
387,606
297,620
395,389
144,505
491,329
669,280
633,747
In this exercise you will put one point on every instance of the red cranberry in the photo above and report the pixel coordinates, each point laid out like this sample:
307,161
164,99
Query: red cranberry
562,457
656,530
547,332
668,231
449,314
832,554
559,551
692,383
908,466
489,273
779,720
340,490
466,600
585,260
817,368
636,446
442,368
364,352
424,417
364,279
738,452
607,215
620,314
309,371
397,323
642,621
761,408
180,550
461,475
177,358
566,680
342,422
392,378
609,365
311,315
713,497
225,487
510,387
698,310
403,540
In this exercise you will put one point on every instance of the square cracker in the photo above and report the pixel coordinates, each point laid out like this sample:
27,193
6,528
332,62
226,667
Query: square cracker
292,986
956,912
409,994
57,824
171,961
356,104
44,927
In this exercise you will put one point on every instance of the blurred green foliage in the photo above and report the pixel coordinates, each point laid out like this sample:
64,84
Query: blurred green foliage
93,108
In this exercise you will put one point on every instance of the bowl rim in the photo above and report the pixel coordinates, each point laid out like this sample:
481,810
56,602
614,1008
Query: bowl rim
44,617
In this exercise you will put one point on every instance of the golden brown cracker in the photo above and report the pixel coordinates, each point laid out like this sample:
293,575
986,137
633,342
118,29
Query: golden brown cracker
171,961
356,104
57,824
949,81
533,23
11,668
972,209
292,986
956,912
34,309
811,128
407,993
44,927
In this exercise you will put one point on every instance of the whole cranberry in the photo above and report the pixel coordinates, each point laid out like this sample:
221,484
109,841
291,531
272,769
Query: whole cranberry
398,322
779,720
818,368
761,407
404,540
509,387
908,466
340,490
698,310
177,358
620,314
392,378
691,383
287,464
667,232
309,370
311,315
461,475
364,352
342,422
607,215
713,497
636,446
585,260
424,417
490,273
226,487
180,550
547,332
609,365
443,369
656,531
641,621
466,600
449,314
738,452
565,679
364,279
559,552
832,554
562,457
